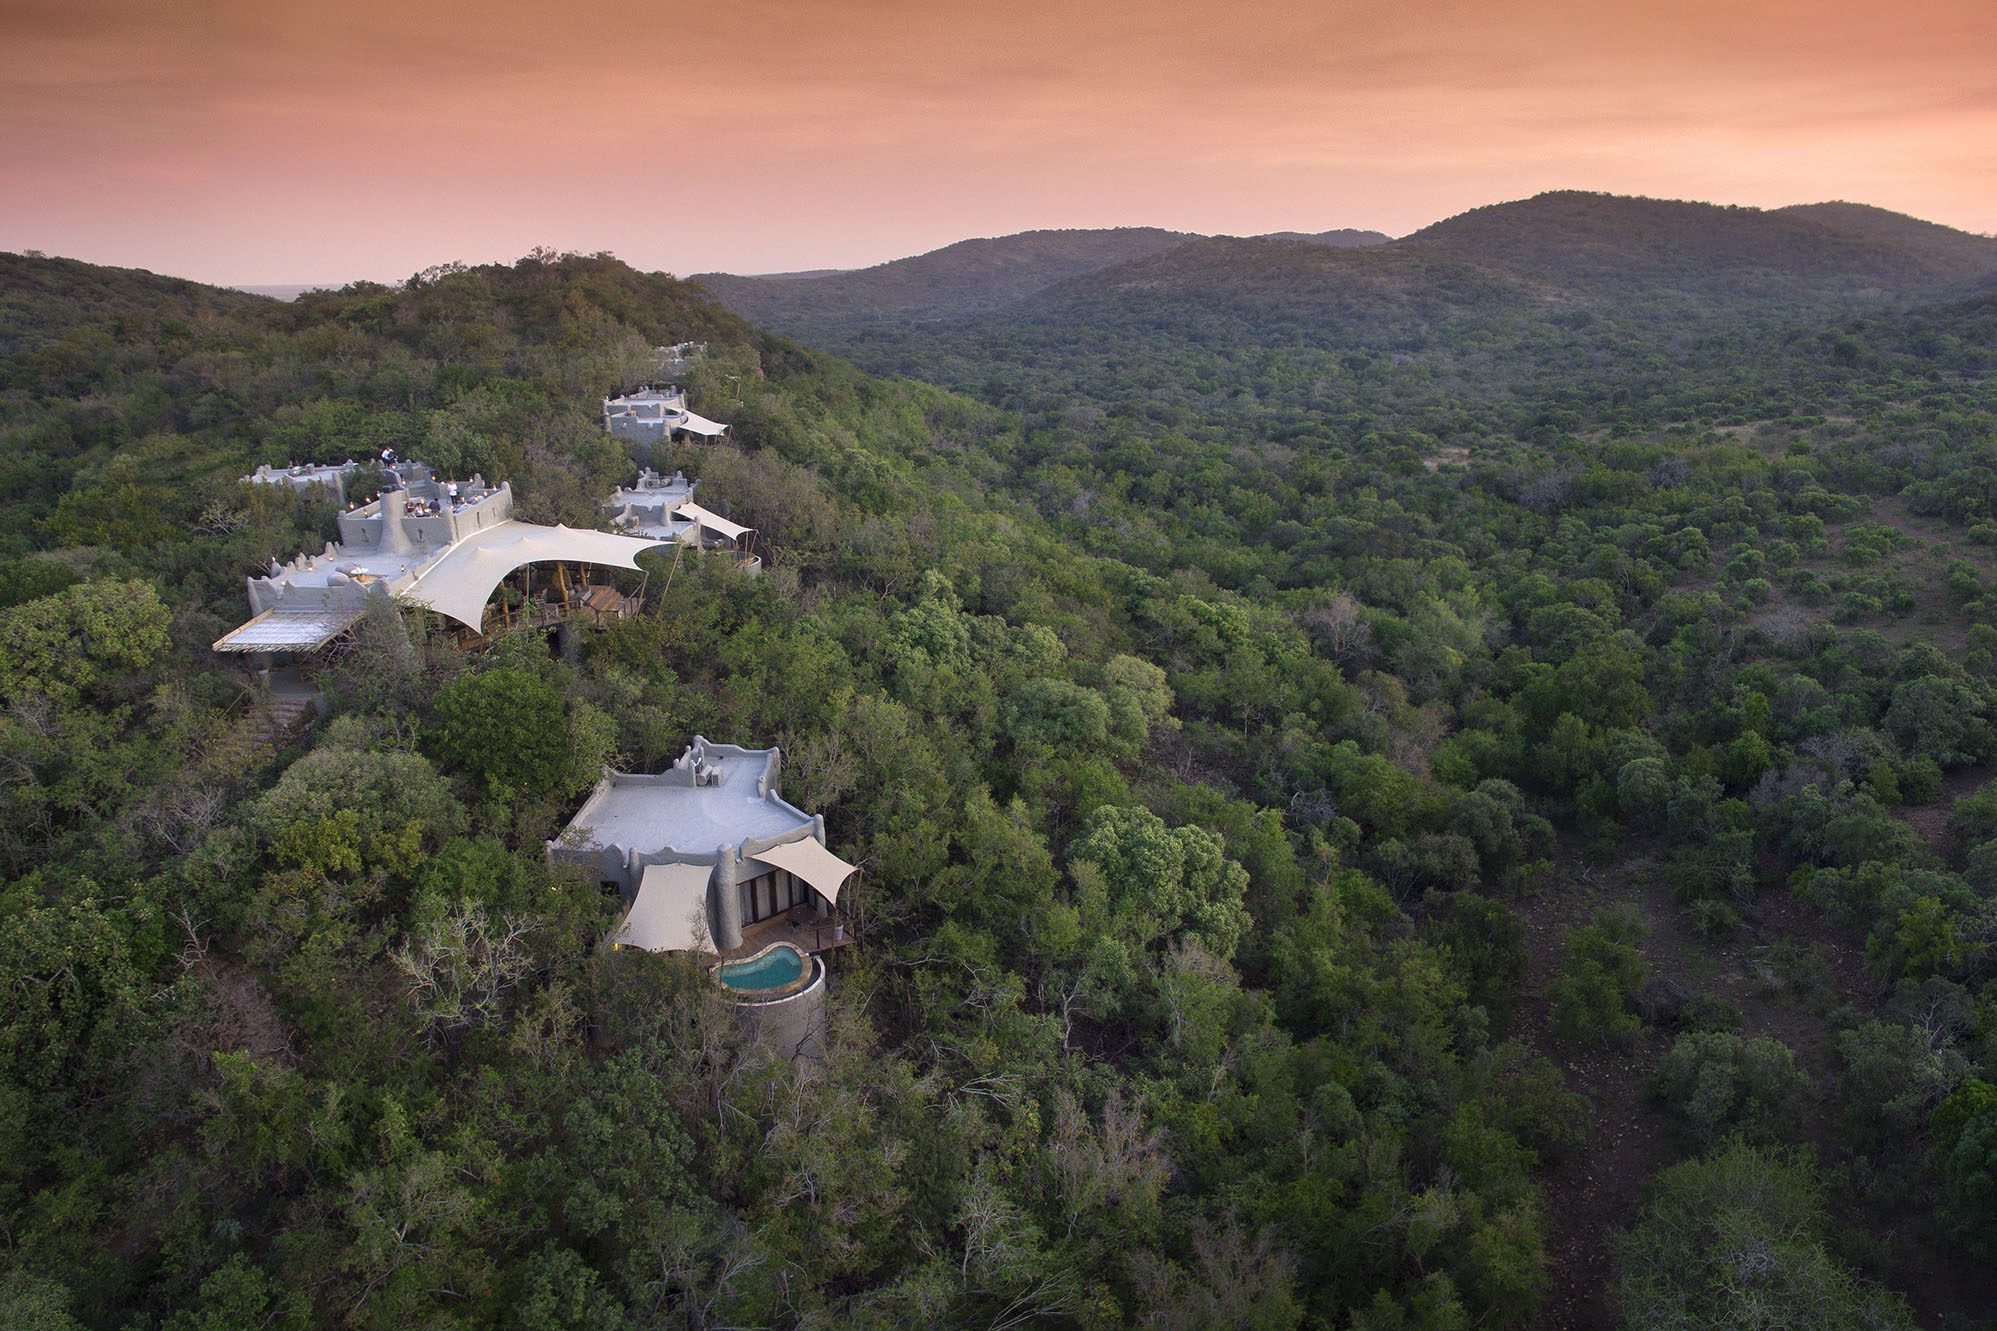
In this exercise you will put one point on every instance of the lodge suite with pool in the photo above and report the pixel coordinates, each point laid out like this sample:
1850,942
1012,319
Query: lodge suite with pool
708,858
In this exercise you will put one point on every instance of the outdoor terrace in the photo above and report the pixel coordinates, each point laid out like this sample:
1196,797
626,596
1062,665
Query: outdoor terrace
801,926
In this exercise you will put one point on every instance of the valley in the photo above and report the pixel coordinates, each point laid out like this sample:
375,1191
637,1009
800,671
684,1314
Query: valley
1426,782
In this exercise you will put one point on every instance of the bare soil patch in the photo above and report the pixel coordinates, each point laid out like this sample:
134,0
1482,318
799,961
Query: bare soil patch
1592,1193
1595,1193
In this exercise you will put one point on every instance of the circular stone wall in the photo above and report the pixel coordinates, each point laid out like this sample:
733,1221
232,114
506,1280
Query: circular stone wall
794,1022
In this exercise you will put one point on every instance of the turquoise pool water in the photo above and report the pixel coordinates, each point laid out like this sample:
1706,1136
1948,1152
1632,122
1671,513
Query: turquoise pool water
776,968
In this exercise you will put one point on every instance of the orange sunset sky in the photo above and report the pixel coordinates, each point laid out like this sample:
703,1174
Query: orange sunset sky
250,141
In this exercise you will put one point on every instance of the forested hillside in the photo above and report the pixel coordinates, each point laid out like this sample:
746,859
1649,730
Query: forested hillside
1678,561
1476,818
1650,247
963,278
967,278
1503,293
1340,238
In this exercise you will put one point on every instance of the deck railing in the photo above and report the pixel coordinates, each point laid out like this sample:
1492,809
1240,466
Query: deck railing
799,925
544,614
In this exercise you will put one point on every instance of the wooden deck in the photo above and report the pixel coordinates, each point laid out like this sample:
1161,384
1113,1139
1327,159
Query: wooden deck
592,604
799,925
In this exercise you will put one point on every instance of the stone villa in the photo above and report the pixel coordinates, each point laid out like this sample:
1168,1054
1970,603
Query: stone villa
651,414
445,545
707,855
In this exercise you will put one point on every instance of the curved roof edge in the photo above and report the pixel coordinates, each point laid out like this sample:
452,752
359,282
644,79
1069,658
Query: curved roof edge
459,584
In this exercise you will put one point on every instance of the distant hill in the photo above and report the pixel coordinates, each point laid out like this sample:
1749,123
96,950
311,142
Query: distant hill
1343,238
1537,257
1265,290
285,290
958,279
1941,246
1607,244
1553,254
43,298
1585,277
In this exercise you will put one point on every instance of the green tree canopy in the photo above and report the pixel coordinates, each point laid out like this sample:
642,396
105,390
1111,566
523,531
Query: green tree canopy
1965,1128
1722,1082
352,789
516,734
1737,1239
1162,880
74,641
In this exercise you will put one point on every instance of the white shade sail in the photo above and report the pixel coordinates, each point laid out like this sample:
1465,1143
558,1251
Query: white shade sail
671,898
826,872
713,522
459,584
694,423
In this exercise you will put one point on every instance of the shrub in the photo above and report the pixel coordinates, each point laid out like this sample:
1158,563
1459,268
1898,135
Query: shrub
1602,973
1965,1128
513,731
1718,1083
1737,1239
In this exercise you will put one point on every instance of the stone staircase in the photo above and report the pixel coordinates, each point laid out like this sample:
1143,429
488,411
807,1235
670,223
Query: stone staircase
276,717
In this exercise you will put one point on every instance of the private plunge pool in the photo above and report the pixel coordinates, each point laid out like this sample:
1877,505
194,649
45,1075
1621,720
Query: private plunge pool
776,972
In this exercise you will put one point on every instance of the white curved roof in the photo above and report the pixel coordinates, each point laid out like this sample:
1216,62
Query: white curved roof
461,582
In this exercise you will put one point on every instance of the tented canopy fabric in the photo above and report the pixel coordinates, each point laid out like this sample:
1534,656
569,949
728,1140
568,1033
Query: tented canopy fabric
694,423
459,584
714,522
671,897
289,631
812,862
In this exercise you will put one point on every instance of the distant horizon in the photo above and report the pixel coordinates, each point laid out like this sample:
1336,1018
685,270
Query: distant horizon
250,145
296,288
267,288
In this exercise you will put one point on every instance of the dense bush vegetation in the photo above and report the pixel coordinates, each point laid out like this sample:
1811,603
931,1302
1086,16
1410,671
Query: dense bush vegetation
1261,755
